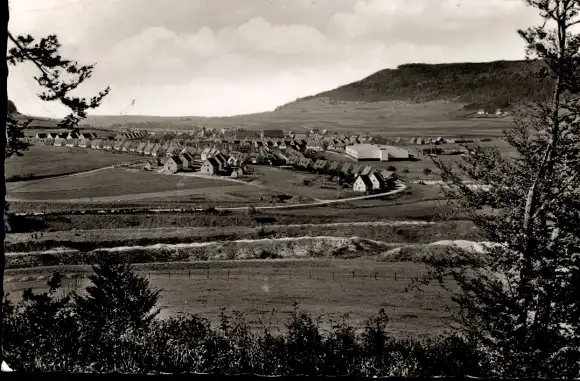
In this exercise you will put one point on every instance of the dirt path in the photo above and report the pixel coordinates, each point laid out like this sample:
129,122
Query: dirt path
12,186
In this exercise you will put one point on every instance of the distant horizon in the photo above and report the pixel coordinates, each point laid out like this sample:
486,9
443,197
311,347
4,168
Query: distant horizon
224,58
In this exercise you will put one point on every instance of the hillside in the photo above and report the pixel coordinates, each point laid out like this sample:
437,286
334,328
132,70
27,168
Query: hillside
413,99
489,85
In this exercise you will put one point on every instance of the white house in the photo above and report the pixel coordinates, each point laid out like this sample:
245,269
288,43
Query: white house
363,184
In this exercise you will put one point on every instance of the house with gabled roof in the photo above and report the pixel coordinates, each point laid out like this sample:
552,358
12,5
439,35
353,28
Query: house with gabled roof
72,135
158,151
377,180
221,161
126,145
72,143
333,166
205,154
173,164
108,144
52,135
186,160
234,160
269,134
171,150
97,144
86,135
306,163
386,175
133,147
346,168
155,149
118,145
356,169
362,184
367,170
148,149
221,156
210,167
41,137
59,142
237,172
321,165
293,160
84,143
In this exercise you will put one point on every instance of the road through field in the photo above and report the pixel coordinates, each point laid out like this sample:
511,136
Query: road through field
399,188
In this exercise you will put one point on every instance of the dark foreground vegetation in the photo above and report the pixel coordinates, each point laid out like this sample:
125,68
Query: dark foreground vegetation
112,325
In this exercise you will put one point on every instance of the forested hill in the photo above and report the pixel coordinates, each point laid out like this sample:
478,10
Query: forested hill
491,85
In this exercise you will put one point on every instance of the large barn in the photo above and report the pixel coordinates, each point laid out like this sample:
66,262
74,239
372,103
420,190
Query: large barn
362,152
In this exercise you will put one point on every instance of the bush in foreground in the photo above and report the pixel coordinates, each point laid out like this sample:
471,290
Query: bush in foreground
113,326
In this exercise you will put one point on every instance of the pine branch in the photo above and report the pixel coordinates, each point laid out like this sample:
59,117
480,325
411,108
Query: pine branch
44,55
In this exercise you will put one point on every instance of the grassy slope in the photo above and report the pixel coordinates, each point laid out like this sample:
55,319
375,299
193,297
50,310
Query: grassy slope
410,100
491,85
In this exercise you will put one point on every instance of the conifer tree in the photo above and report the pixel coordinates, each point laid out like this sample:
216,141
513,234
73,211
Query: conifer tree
519,301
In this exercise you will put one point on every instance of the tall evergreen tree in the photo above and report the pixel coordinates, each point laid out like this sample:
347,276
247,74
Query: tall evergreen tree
519,301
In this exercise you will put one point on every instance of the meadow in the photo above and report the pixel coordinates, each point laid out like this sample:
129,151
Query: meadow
44,161
113,184
267,289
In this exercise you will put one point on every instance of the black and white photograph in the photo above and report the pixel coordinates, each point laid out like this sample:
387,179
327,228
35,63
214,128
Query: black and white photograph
267,188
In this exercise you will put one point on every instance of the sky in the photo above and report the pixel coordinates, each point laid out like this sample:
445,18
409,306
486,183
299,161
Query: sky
229,57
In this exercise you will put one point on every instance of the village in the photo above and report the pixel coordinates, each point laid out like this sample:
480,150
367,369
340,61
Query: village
355,161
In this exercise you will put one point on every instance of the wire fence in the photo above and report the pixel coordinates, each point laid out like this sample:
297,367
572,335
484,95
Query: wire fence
240,274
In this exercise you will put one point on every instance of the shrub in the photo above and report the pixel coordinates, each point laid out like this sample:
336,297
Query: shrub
113,327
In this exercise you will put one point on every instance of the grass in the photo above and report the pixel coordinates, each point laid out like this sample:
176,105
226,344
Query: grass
115,183
259,288
43,160
388,118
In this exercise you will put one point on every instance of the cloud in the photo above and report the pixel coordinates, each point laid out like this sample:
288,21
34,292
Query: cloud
211,57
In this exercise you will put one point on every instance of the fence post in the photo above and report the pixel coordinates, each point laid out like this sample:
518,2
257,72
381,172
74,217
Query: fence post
353,274
189,273
375,276
169,272
290,273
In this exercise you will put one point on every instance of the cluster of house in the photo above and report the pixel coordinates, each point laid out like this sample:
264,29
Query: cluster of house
498,112
366,178
66,139
211,161
374,180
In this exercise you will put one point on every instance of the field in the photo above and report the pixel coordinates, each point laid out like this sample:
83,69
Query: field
389,118
118,184
268,288
311,253
42,160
